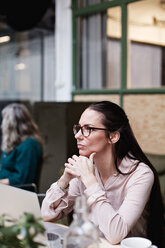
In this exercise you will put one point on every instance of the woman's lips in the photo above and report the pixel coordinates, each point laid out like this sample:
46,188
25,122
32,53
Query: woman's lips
80,146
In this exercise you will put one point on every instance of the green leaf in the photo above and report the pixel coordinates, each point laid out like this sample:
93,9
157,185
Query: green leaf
20,233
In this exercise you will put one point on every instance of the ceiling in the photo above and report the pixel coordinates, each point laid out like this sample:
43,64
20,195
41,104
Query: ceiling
24,15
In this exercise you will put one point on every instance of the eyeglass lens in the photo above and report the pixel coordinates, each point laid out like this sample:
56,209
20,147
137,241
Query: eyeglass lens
76,129
84,130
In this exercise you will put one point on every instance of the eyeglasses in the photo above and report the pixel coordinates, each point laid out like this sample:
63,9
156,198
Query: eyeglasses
85,130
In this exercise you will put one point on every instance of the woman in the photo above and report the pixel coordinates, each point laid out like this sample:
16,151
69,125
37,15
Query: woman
22,146
120,183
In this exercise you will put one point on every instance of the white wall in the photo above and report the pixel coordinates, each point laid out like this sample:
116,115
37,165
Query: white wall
63,51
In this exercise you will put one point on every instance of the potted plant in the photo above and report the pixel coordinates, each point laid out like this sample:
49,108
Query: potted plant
20,233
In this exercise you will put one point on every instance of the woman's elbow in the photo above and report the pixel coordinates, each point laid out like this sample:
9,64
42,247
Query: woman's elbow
48,217
115,239
116,233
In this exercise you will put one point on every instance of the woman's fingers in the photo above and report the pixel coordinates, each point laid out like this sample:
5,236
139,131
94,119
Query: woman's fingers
80,165
71,170
73,173
71,161
69,166
92,156
75,157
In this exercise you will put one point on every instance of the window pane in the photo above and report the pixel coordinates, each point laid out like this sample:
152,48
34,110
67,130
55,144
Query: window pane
98,52
113,47
146,41
27,56
21,62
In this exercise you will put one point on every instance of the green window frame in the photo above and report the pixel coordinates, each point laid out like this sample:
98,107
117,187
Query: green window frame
123,90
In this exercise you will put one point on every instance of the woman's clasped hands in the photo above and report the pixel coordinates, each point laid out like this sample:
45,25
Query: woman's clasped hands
82,167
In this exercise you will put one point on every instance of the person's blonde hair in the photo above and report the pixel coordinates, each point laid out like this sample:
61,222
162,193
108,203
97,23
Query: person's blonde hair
17,125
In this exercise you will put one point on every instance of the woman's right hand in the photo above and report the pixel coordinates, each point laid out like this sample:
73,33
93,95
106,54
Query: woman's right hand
65,179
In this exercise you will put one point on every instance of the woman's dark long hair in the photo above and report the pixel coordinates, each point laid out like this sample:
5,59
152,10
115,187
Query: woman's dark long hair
115,119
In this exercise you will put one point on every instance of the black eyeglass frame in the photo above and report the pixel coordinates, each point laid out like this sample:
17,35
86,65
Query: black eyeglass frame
88,128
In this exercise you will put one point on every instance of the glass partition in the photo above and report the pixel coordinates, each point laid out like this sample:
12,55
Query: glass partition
146,44
22,61
27,52
99,50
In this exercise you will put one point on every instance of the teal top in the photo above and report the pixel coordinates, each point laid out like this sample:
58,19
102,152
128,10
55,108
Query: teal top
22,164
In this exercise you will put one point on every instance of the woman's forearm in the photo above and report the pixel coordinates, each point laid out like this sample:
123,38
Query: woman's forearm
4,181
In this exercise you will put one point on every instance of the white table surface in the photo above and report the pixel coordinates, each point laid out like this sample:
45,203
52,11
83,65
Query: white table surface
61,229
105,244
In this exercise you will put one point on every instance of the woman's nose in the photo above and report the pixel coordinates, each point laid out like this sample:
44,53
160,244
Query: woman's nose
78,134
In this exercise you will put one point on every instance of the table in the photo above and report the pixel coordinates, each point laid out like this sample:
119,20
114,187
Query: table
61,230
105,244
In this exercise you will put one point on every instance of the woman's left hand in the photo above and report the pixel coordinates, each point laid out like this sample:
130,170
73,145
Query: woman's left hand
83,168
5,181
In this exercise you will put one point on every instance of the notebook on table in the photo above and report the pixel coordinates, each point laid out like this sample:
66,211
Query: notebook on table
16,201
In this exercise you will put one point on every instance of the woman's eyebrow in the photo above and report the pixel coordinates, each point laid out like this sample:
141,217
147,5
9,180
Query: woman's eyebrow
87,125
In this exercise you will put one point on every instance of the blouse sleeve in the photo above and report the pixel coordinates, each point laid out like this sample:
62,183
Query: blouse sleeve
58,202
116,224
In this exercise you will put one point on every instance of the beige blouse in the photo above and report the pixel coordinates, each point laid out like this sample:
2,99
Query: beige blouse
118,208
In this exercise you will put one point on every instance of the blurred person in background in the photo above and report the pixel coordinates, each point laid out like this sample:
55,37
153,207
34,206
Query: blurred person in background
22,147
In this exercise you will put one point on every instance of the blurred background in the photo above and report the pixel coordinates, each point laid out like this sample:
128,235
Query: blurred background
60,55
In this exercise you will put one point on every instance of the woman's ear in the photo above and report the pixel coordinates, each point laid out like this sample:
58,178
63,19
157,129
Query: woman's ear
114,137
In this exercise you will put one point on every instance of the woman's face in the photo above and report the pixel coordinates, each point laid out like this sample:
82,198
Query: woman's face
97,141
